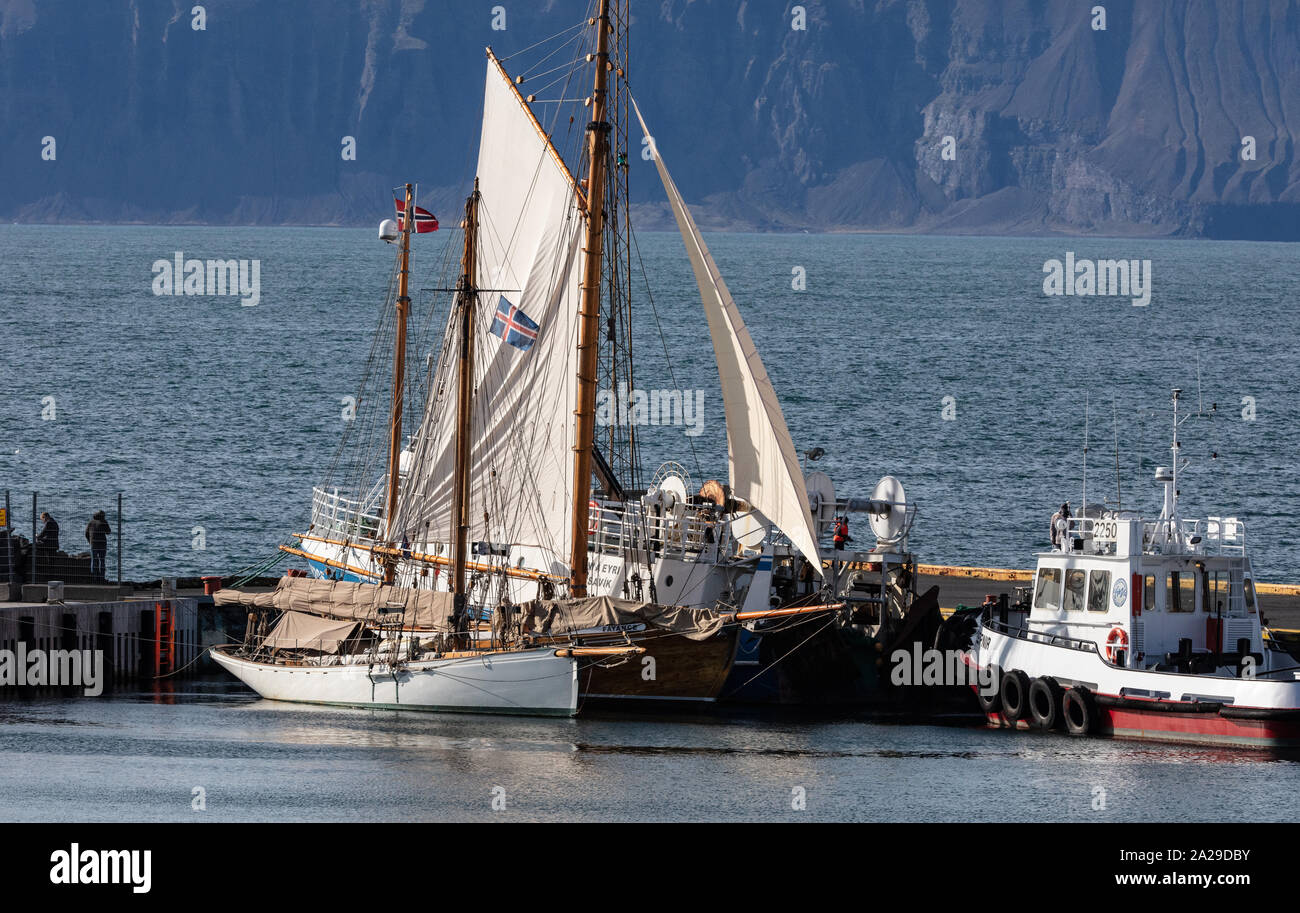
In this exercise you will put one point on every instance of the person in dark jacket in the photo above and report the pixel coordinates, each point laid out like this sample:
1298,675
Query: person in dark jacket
47,540
97,533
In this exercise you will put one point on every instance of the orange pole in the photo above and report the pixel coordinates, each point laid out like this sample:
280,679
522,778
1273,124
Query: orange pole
780,613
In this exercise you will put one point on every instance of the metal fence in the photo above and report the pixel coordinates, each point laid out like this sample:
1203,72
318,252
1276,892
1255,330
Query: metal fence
80,549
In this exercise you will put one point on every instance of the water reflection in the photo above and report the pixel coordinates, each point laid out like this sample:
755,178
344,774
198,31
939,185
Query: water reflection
137,756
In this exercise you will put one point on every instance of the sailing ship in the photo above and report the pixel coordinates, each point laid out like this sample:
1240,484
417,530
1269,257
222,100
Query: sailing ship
1145,629
509,500
384,646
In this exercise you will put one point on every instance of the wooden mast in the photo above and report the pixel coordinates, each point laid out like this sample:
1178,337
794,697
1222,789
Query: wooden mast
464,404
399,377
589,315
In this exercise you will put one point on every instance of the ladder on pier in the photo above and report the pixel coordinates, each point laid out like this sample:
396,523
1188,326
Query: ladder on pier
164,638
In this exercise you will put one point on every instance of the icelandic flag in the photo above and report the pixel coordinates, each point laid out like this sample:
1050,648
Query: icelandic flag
424,220
514,326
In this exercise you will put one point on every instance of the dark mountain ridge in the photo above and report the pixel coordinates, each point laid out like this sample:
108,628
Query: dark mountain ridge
1049,124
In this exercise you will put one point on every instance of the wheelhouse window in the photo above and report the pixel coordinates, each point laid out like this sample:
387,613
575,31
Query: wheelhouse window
1180,595
1075,578
1047,589
1149,597
1098,590
1250,596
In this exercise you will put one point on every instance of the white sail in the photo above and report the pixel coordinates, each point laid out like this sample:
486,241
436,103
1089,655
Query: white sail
761,456
529,245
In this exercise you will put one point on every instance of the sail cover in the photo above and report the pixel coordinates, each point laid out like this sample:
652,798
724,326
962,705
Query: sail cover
761,456
295,630
607,614
346,599
525,378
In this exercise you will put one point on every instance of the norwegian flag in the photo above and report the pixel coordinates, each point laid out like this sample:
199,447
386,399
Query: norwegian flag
424,220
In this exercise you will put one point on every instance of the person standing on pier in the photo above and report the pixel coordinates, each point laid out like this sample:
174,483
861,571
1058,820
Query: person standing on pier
97,533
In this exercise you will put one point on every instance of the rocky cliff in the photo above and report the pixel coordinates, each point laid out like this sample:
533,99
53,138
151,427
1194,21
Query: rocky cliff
1115,116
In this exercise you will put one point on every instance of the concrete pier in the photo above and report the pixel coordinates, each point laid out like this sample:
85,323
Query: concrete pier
139,637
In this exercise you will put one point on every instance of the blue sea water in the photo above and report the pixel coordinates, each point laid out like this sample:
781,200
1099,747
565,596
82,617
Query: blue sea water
211,416
214,420
142,756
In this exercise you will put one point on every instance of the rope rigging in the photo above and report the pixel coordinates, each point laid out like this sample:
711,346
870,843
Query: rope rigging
507,495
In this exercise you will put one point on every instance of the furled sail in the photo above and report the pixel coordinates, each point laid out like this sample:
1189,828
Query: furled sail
346,599
761,456
525,387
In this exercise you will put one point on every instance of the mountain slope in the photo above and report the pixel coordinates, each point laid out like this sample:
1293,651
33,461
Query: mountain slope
1054,125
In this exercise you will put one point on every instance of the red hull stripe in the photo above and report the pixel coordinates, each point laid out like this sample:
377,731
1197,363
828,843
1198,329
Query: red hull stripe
1203,728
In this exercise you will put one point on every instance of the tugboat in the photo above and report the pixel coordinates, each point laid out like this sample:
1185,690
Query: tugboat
1139,629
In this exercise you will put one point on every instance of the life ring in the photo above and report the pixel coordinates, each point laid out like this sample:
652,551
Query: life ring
1116,641
593,517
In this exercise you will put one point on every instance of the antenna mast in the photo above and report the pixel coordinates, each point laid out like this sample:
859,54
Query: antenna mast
1114,421
1173,513
1084,511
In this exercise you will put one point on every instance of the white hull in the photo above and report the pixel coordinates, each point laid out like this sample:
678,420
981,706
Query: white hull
529,682
1079,667
1213,709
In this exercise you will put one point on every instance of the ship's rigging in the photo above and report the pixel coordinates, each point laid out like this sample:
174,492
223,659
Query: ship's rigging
549,78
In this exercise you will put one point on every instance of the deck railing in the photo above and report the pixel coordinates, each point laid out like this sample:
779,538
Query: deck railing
620,528
616,528
1208,536
334,516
